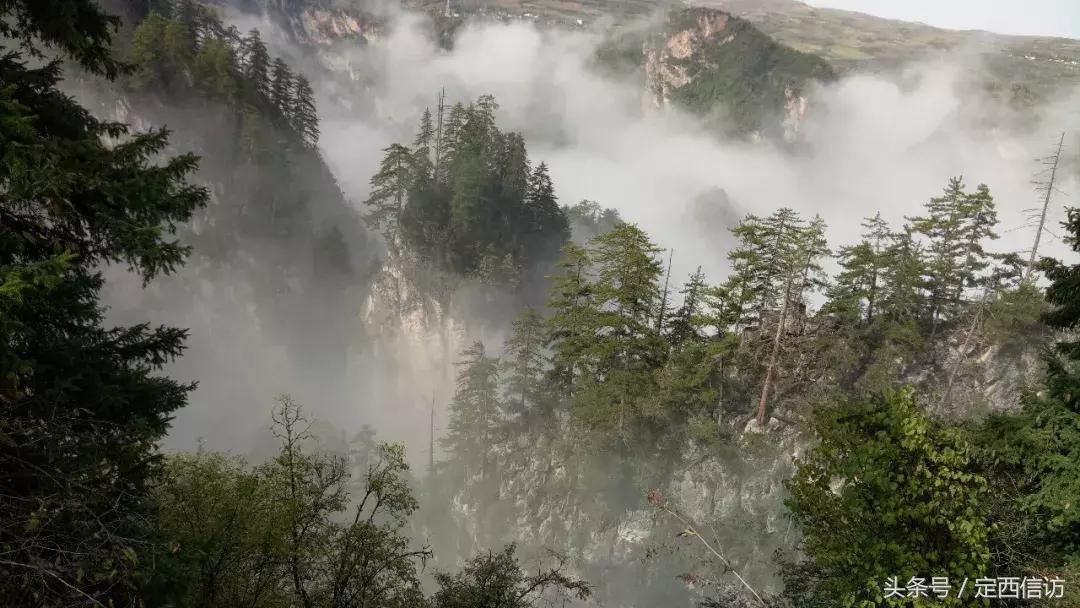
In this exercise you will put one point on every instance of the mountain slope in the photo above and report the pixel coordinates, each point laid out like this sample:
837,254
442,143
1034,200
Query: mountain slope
851,40
713,64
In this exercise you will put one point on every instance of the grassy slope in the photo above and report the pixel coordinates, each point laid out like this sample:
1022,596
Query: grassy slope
848,40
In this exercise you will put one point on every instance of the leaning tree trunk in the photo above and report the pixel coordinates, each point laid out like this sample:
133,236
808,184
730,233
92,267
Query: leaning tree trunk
762,412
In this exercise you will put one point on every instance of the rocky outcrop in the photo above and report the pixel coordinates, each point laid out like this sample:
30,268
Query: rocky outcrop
665,67
722,68
321,27
410,332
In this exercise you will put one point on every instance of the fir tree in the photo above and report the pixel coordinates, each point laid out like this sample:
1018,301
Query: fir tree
281,88
455,121
82,405
807,244
423,151
981,215
688,323
901,298
515,173
305,119
954,227
389,190
215,68
857,287
624,346
476,412
256,64
525,362
545,226
765,262
572,320
178,43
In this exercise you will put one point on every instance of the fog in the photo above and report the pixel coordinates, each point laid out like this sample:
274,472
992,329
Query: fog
868,144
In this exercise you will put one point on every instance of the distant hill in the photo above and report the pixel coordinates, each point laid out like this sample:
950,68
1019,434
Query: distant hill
847,40
713,64
851,40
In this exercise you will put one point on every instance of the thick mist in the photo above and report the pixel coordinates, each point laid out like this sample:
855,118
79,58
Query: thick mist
869,143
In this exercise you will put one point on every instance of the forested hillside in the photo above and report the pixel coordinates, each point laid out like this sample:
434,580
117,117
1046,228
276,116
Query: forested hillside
465,198
825,424
622,371
277,237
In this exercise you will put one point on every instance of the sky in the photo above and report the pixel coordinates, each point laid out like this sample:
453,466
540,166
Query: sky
1027,17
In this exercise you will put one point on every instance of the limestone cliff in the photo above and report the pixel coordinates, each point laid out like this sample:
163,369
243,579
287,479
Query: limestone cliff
721,67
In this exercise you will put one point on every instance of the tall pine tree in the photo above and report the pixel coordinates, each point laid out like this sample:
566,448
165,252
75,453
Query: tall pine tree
281,88
257,64
305,118
81,404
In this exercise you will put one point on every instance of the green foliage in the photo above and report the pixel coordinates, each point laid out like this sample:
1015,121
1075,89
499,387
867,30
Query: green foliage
475,413
290,532
81,405
615,343
747,78
465,199
390,189
221,528
185,46
955,226
1055,413
77,28
856,289
886,493
496,580
525,362
775,263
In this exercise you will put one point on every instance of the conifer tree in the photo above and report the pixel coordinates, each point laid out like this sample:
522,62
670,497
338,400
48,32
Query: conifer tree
281,88
806,244
148,52
572,320
257,64
479,131
178,43
624,346
515,173
981,215
476,412
954,227
390,190
901,298
1054,414
215,68
305,119
688,322
812,246
424,169
544,224
455,121
765,262
524,361
186,12
857,287
82,405
425,134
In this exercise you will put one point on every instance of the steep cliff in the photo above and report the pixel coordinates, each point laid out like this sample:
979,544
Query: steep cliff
713,64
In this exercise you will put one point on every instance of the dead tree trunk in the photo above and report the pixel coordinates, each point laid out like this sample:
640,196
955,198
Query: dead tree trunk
1049,186
762,413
